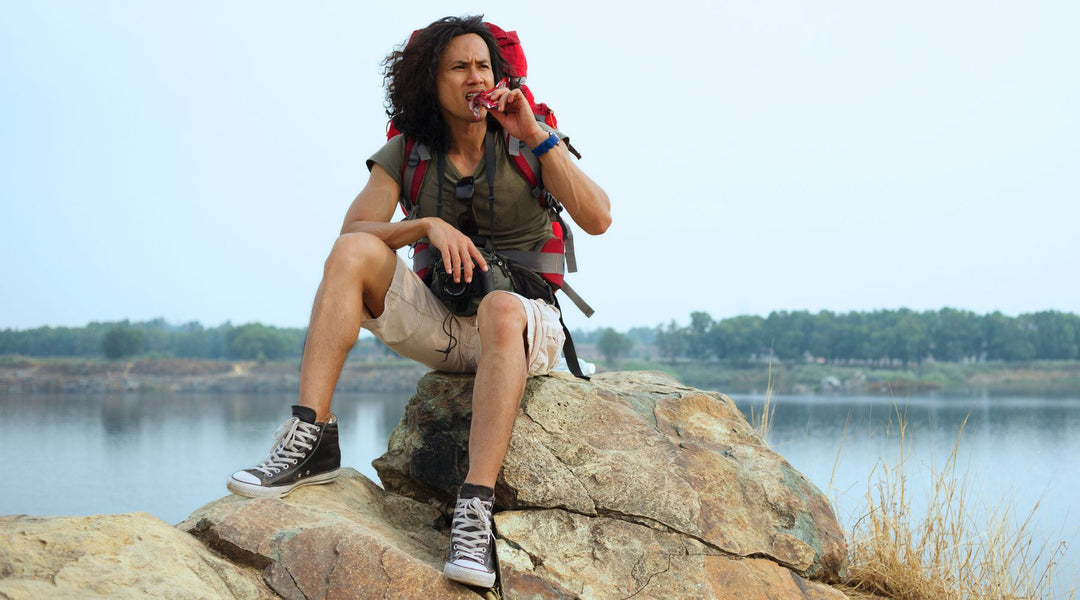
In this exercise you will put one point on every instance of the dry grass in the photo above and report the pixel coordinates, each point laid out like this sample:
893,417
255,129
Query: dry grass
762,423
951,551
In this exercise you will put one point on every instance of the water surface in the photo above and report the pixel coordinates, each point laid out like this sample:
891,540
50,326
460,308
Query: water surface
168,454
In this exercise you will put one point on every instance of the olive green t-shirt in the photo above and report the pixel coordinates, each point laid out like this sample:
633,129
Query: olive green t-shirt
520,222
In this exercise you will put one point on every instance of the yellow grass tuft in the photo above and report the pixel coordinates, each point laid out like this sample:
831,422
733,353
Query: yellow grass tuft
762,423
951,551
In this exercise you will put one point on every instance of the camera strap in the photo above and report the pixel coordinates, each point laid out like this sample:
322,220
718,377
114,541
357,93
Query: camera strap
489,170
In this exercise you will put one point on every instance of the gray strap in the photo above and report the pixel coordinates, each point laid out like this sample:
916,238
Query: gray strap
578,301
542,262
534,166
568,243
420,154
441,172
423,151
423,259
548,262
489,171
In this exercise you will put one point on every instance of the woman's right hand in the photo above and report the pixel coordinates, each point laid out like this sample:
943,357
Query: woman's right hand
458,251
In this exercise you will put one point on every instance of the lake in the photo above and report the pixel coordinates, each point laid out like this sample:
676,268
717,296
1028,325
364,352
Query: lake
168,454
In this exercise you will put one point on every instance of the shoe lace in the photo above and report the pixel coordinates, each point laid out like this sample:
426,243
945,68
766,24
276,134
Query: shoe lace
291,440
471,531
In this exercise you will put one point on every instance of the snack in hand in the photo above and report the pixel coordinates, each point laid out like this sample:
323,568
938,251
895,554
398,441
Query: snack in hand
483,99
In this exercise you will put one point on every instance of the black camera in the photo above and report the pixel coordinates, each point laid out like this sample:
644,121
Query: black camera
464,298
482,283
454,289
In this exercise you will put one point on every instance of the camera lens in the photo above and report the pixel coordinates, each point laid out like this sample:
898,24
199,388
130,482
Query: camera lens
455,289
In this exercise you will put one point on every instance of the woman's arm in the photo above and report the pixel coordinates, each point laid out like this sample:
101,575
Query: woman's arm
373,209
586,201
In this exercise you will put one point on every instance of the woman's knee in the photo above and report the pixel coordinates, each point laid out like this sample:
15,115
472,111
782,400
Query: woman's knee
353,252
501,314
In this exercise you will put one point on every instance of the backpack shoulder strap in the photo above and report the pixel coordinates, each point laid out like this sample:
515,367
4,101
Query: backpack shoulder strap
417,157
528,165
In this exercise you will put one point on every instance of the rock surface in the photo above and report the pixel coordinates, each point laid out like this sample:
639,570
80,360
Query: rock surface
115,557
347,539
559,554
630,485
638,448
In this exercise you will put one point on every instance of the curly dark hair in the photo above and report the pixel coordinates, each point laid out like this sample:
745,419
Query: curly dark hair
411,72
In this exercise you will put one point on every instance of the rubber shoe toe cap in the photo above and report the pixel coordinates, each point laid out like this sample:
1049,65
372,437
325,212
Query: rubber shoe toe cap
245,477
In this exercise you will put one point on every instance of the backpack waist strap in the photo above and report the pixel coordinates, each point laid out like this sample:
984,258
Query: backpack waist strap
539,262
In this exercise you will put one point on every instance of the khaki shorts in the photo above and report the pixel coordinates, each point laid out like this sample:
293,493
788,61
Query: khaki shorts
416,325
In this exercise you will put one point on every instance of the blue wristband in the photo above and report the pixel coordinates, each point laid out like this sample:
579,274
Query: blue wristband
546,145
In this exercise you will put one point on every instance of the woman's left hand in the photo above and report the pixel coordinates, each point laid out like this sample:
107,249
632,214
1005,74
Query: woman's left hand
516,116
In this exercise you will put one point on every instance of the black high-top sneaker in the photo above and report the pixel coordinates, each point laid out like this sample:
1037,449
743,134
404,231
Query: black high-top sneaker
471,559
304,453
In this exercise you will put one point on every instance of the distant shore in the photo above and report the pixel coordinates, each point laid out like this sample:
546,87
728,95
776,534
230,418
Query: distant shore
95,376
1036,378
91,376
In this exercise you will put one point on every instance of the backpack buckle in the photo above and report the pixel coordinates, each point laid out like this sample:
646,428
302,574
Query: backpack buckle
551,203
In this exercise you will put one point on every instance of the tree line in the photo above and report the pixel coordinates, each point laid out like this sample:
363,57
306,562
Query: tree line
885,335
902,335
252,341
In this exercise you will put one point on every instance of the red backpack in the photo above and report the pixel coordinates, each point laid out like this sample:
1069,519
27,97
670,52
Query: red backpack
557,254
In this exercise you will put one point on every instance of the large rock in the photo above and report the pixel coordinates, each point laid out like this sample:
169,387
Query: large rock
634,453
115,557
347,539
630,485
559,554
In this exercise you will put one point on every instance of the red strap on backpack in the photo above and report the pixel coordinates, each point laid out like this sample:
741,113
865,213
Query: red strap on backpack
522,165
417,165
555,245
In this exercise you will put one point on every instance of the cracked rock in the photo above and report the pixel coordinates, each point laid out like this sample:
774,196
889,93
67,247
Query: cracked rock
636,453
346,539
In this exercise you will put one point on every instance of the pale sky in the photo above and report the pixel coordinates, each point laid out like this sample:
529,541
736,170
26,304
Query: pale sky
194,160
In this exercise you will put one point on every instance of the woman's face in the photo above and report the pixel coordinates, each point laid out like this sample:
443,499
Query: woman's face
464,71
